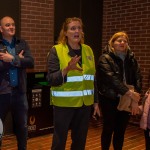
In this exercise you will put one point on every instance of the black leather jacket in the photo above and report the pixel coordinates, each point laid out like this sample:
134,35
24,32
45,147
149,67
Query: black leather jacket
110,73
20,63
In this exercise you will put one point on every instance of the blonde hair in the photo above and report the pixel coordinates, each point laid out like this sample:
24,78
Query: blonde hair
62,37
115,37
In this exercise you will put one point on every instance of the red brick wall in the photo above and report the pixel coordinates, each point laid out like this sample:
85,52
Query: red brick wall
132,16
37,23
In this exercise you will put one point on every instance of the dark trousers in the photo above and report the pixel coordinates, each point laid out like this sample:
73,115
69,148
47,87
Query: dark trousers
114,124
147,139
17,104
75,119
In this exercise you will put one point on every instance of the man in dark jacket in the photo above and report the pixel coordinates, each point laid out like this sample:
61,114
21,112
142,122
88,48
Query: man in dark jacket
117,69
15,57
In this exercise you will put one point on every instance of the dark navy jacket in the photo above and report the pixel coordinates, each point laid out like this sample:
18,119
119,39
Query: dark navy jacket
21,63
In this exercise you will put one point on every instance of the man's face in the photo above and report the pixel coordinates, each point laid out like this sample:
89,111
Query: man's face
7,27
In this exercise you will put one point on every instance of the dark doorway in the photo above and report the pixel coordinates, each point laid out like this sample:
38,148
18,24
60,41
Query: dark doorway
91,14
12,9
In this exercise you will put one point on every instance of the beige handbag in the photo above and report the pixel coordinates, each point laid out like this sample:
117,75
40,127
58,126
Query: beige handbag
125,101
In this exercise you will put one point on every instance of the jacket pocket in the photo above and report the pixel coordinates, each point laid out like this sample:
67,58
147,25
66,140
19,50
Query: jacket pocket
108,93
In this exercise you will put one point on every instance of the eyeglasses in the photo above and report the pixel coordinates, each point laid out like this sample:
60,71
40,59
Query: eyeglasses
75,28
120,41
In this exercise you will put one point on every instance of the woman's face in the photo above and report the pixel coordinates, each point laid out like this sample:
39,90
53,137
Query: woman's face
120,44
74,32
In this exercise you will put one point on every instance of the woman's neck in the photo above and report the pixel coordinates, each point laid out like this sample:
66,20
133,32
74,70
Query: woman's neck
74,46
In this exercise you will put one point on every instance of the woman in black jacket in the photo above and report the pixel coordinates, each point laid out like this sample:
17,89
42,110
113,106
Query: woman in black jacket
117,69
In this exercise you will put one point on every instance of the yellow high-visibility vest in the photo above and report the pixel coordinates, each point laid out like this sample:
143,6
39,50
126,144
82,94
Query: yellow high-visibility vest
79,88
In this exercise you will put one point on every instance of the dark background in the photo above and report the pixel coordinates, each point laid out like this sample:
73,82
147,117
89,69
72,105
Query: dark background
11,8
91,14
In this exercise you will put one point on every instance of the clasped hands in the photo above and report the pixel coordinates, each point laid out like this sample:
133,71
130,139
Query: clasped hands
135,99
7,57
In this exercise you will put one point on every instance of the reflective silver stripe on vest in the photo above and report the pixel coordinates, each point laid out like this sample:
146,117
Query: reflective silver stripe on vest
80,78
88,92
72,93
74,79
89,77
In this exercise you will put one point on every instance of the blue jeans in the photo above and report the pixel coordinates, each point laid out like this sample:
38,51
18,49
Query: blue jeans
16,103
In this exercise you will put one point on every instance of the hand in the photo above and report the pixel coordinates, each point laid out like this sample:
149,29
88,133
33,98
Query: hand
134,108
96,111
135,111
6,57
21,54
135,96
72,65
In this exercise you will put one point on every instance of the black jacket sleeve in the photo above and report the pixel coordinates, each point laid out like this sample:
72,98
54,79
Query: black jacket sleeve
108,77
54,75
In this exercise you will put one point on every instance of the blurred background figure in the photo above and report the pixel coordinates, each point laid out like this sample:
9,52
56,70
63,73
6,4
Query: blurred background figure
145,119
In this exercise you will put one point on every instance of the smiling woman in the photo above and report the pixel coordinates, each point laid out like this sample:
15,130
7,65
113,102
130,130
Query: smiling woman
118,75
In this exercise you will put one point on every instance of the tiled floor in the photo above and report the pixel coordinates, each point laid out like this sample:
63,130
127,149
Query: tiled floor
134,139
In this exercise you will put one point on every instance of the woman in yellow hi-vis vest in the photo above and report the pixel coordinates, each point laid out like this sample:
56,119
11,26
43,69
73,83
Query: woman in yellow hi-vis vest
71,71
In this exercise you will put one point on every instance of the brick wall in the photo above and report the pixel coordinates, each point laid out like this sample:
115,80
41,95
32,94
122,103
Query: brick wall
37,23
132,16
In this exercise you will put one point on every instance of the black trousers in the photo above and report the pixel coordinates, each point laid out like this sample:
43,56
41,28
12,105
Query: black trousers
114,124
16,103
147,139
75,119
